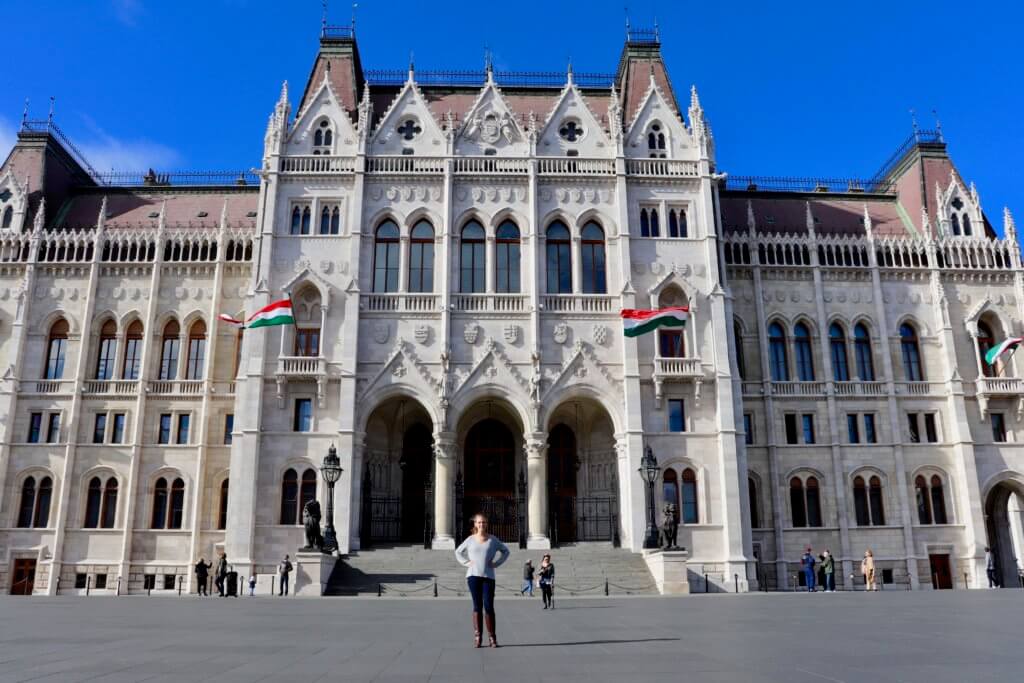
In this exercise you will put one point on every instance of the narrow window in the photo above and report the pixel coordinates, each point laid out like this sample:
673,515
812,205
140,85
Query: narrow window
336,221
35,427
741,364
421,258
986,341
28,503
670,490
777,353
954,221
385,257
307,341
325,221
8,217
56,348
911,353
645,224
93,501
109,513
558,259
41,516
671,344
870,436
689,497
306,216
924,504
107,350
791,431
862,349
852,428
229,427
673,223
169,351
222,514
748,428
930,431
912,428
117,436
755,516
807,422
998,427
967,225
53,428
296,221
938,500
99,430
472,259
177,504
289,497
307,491
183,425
592,254
132,351
875,499
797,502
676,415
159,518
164,435
303,415
837,344
813,502
506,267
196,350
860,502
804,354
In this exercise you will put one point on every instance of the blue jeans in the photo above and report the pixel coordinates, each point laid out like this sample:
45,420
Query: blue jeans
830,582
809,576
482,591
283,590
527,587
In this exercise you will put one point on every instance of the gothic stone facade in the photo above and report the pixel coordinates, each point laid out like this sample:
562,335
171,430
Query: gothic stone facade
457,256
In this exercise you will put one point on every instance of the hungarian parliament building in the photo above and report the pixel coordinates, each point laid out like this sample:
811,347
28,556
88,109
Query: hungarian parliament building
458,247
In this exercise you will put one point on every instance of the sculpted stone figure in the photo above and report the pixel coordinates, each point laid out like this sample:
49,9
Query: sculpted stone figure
669,527
311,521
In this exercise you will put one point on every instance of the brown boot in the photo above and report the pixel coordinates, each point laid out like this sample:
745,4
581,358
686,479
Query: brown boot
476,629
492,639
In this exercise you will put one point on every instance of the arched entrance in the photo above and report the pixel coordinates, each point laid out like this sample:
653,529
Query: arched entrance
562,466
1003,524
490,478
416,463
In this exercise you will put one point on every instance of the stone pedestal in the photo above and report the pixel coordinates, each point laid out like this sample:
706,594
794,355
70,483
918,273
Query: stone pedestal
668,567
312,572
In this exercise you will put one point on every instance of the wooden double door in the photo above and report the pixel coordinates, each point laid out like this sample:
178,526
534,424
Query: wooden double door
23,578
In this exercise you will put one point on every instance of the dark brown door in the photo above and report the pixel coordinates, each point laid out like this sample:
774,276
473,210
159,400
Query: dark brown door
417,457
24,577
490,478
942,577
562,483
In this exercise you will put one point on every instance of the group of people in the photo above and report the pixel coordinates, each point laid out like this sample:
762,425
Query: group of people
821,570
226,580
543,576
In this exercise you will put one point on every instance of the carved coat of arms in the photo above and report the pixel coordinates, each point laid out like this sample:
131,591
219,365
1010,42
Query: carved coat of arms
561,333
421,333
381,332
511,333
471,332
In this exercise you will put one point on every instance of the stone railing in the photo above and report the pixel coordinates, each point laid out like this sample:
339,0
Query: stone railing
1000,386
798,388
317,165
46,387
579,303
574,166
176,387
499,303
407,303
859,388
301,366
491,166
662,168
405,165
223,388
678,367
920,388
110,387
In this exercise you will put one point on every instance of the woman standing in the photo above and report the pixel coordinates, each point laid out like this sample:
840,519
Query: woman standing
547,581
479,552
867,568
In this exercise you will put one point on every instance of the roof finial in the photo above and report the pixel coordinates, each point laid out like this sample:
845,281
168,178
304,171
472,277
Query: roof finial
657,31
412,67
938,124
24,114
488,64
913,122
626,10
354,6
1009,227
869,227
568,74
49,119
694,98
323,17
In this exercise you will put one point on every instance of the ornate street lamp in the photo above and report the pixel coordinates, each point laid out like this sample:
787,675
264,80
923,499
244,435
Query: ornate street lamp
331,471
649,473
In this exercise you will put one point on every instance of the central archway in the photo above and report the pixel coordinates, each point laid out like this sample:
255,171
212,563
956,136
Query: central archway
1003,512
490,476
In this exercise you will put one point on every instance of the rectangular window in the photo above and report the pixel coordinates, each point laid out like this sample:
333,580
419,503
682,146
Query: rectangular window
149,582
748,428
168,582
81,580
676,415
183,423
118,434
791,432
303,420
998,427
101,581
852,428
930,432
912,429
35,426
887,576
169,358
870,436
132,359
53,428
670,344
165,429
99,430
807,420
229,426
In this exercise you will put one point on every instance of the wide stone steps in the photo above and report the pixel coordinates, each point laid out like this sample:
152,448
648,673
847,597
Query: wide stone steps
409,570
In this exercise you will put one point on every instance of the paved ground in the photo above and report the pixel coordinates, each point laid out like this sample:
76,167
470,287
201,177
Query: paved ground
897,636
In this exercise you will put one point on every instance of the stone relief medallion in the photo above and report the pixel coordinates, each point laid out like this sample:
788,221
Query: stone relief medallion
511,333
471,332
460,194
490,128
561,333
421,333
381,332
398,372
326,266
478,194
600,334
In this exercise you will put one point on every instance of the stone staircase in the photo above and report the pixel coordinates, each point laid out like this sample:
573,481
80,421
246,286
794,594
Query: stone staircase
408,570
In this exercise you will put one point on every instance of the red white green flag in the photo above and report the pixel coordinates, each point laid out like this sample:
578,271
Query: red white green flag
1002,347
277,313
225,318
639,321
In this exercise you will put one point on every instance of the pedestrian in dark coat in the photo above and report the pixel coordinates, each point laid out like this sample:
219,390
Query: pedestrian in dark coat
222,573
202,575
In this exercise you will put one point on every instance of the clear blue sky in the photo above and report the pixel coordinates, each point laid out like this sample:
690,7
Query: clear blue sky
792,88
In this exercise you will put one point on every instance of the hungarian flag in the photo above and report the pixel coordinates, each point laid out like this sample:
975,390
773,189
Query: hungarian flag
277,313
1002,347
225,318
638,321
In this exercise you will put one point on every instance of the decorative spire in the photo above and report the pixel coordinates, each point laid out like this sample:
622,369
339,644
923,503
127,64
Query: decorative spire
282,100
40,218
615,114
751,220
412,68
49,118
365,107
694,98
809,218
24,114
869,227
913,122
488,65
1009,227
101,219
568,73
925,225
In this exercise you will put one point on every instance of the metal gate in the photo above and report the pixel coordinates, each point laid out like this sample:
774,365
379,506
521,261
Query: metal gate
385,518
596,519
502,514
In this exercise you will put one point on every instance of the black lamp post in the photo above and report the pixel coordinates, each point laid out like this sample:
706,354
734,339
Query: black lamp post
649,473
331,471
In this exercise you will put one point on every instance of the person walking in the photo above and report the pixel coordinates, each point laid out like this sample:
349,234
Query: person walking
252,586
547,582
867,568
222,573
821,571
285,568
527,579
202,576
479,553
807,563
828,567
990,568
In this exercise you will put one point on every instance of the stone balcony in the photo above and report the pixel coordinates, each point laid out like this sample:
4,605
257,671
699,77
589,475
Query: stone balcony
400,303
302,368
677,370
176,388
107,388
988,388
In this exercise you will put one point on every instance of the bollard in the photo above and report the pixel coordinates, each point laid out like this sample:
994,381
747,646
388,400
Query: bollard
705,583
380,590
736,582
58,586
435,589
118,591
606,588
88,584
853,583
273,580
935,581
965,580
149,592
179,585
1020,578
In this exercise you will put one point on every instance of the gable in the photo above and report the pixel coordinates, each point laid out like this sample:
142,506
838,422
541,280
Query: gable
490,125
323,107
572,127
655,110
408,124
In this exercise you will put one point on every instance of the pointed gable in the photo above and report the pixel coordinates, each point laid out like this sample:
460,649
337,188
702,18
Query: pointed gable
337,61
572,126
490,124
324,114
657,115
408,124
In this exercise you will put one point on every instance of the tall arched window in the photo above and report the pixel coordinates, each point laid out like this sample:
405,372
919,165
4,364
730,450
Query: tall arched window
323,137
670,489
307,215
656,142
222,507
159,517
741,363
296,226
875,500
41,514
177,505
860,502
967,225
385,257
196,350
755,506
645,224
335,220
938,499
805,501
307,490
803,354
421,257
109,511
325,220
93,503
289,497
777,361
506,258
797,503
924,502
689,494
862,352
306,307
813,502
911,353
132,351
28,503
677,223
837,345
595,280
56,348
954,221
558,259
986,340
106,352
169,349
8,217
472,259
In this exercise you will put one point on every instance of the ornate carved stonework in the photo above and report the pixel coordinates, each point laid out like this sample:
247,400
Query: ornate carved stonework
381,332
421,333
600,334
511,333
471,332
561,333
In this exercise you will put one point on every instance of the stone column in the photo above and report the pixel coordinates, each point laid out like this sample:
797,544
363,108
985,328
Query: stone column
536,446
444,480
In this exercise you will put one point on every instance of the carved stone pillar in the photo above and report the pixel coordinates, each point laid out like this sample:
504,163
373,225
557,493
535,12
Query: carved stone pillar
444,479
536,446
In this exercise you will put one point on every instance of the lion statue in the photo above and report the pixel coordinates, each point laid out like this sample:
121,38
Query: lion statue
669,527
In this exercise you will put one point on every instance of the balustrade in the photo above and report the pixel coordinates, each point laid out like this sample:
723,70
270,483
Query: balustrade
110,387
315,164
302,366
500,303
575,166
662,168
176,387
678,367
579,303
406,303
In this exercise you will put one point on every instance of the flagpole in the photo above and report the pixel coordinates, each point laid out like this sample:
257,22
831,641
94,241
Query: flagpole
1007,363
